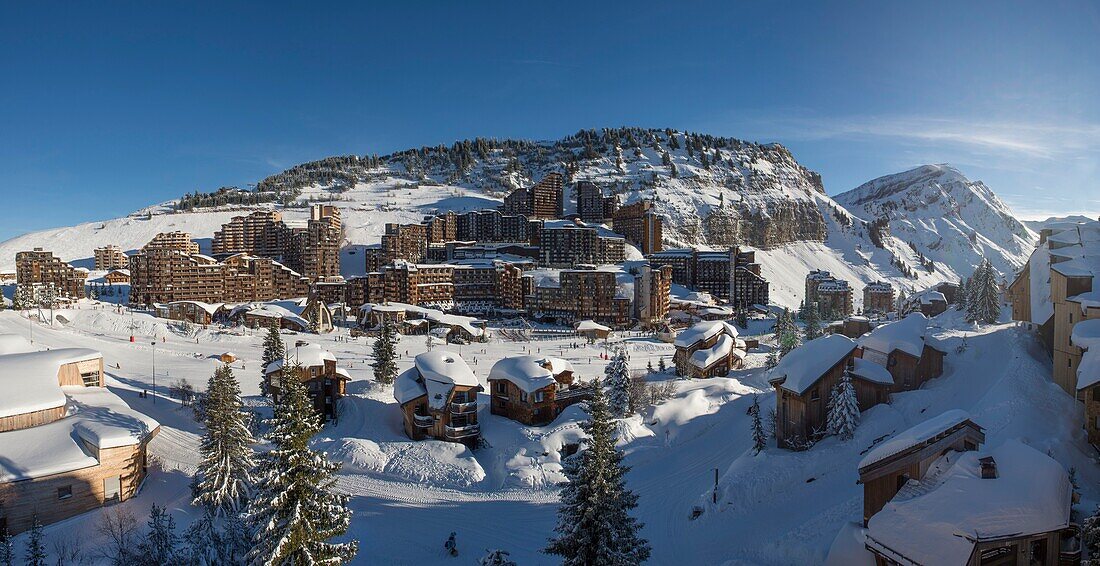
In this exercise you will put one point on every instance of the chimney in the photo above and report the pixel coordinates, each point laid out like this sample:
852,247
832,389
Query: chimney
989,468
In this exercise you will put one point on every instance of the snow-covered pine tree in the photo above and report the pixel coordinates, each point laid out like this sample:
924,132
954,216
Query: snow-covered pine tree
661,364
594,523
274,349
1090,537
496,557
960,295
222,482
294,513
385,353
35,552
843,407
204,544
743,318
649,366
759,437
617,378
161,543
772,360
813,322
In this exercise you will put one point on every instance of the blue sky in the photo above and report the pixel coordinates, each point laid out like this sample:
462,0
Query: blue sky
107,108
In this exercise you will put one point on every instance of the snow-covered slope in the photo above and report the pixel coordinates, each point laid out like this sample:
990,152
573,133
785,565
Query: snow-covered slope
951,220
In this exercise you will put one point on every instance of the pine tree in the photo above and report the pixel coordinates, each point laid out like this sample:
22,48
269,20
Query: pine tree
7,549
772,360
759,437
843,409
617,378
594,525
204,543
496,558
786,332
160,546
743,318
294,512
813,322
1090,538
649,366
983,304
223,480
385,366
960,295
274,350
661,367
35,552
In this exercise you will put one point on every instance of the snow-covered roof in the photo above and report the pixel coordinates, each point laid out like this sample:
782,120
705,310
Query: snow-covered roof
871,371
906,335
705,357
407,386
913,436
529,372
804,365
28,381
309,355
590,325
105,421
1031,495
704,331
930,296
1089,300
1086,334
436,316
441,372
210,308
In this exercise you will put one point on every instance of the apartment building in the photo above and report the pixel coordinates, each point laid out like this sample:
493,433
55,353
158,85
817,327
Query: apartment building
543,200
169,269
879,297
652,287
640,224
732,275
39,269
408,242
312,249
581,294
110,257
449,412
563,243
832,296
592,206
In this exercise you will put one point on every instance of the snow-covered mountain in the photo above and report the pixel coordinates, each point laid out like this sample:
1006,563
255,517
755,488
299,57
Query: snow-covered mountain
944,217
713,192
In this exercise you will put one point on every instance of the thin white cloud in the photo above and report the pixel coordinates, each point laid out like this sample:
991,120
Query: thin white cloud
1041,140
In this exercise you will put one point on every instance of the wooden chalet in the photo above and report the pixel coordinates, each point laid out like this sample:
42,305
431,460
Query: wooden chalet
438,398
196,312
929,302
853,327
592,330
117,277
533,389
909,454
324,380
904,349
67,444
1006,506
804,379
708,349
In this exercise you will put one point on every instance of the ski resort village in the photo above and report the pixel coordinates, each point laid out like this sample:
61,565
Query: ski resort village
624,346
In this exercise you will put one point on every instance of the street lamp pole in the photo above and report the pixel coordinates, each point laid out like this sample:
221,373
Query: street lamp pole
154,344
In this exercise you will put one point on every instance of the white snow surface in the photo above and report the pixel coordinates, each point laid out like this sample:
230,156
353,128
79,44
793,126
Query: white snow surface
28,381
308,355
704,331
871,371
1030,495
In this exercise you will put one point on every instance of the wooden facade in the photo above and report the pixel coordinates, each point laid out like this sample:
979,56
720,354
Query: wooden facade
325,385
456,422
801,417
56,497
539,407
910,372
883,479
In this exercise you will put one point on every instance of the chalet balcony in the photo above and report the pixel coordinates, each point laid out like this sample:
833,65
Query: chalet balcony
573,392
457,432
423,421
463,408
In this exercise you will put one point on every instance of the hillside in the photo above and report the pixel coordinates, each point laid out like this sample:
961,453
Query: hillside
713,191
947,218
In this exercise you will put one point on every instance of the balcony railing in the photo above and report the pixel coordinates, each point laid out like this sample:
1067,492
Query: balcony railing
573,392
423,421
456,432
461,408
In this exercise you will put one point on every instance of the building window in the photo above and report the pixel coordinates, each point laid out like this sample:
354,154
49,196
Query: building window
112,488
65,492
814,396
523,396
539,396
